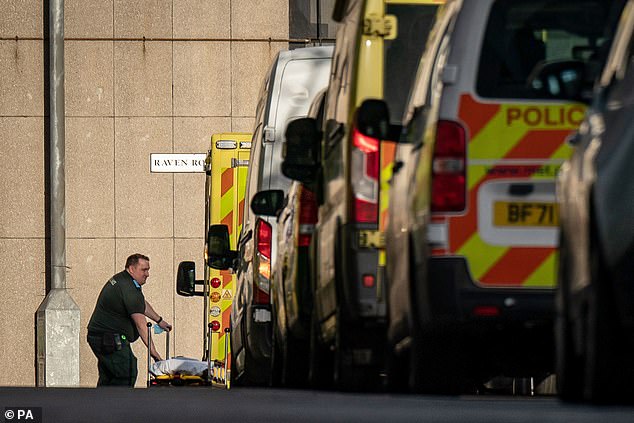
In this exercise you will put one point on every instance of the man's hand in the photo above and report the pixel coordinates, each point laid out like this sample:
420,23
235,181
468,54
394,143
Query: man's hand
165,326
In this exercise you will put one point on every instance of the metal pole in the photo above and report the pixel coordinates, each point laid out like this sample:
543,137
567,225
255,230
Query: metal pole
149,351
227,339
58,316
167,345
57,146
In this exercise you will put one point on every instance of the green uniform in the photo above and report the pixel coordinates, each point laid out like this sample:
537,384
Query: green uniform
111,329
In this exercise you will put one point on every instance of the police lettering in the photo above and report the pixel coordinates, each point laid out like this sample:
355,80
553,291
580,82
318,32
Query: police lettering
545,116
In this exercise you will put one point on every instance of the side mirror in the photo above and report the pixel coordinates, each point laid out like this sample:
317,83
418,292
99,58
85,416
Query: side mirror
301,150
372,119
219,253
268,203
186,279
565,79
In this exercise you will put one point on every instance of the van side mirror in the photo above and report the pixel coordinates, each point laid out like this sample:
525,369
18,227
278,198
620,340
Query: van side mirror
219,253
301,150
186,279
372,118
268,203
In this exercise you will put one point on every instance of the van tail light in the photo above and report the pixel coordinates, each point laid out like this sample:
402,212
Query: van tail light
262,262
364,177
307,216
449,190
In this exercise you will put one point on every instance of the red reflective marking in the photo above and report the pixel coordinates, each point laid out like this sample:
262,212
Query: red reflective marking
514,267
228,220
476,115
227,277
226,181
540,144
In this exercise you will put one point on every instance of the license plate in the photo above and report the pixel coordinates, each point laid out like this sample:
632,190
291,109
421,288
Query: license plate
525,214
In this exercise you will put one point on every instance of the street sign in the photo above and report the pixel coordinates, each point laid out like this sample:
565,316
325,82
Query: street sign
177,162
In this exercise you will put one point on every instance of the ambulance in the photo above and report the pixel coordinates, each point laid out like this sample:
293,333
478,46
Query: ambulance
472,235
226,168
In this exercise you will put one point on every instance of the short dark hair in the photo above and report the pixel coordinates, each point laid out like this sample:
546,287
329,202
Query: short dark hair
134,259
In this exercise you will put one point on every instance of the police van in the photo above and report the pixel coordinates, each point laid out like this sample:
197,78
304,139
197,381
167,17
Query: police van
472,232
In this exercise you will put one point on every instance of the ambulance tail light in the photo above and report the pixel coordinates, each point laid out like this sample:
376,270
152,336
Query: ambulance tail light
449,190
364,177
307,217
263,240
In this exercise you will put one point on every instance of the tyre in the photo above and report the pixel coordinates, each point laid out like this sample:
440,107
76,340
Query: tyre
568,362
602,382
294,362
319,358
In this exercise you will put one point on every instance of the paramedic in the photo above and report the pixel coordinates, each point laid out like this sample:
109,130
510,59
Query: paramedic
118,320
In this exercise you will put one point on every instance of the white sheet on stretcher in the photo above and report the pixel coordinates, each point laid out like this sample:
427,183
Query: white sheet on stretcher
180,366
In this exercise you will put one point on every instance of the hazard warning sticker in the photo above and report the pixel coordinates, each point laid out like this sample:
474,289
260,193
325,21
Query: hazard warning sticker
226,294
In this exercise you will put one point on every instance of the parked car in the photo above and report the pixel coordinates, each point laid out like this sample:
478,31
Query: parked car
376,52
472,232
291,283
294,78
595,301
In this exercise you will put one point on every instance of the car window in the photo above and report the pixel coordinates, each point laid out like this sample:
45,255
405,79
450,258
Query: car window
402,54
523,34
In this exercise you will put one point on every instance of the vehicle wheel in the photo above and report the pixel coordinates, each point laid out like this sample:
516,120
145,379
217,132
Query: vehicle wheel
569,364
603,380
294,363
275,378
355,367
319,358
437,365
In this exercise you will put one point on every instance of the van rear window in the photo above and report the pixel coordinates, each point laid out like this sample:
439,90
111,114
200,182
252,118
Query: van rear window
403,53
524,35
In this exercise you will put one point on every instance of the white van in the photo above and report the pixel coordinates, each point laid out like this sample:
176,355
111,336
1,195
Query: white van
288,89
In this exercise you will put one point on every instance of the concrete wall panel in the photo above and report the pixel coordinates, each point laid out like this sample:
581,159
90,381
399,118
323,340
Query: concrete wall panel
143,200
89,78
21,18
143,78
201,18
202,79
22,264
88,19
264,19
22,177
90,177
21,78
142,18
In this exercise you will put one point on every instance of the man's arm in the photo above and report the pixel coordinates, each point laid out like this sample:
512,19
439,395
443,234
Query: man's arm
141,325
149,312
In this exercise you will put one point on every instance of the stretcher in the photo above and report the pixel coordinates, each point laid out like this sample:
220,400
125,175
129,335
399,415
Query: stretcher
181,371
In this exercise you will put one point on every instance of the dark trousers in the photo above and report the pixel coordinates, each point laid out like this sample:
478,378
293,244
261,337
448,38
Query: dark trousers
118,368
